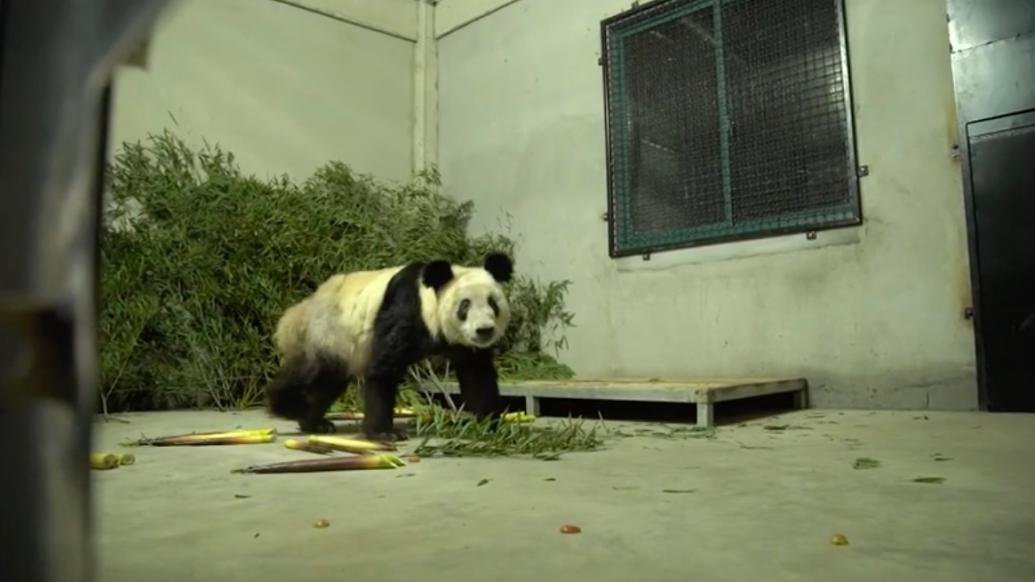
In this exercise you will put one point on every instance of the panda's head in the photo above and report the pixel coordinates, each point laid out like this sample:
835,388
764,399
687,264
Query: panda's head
471,307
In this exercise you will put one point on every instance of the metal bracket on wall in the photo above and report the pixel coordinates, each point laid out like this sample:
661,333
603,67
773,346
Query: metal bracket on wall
968,313
41,343
606,217
646,256
954,151
140,56
810,235
862,171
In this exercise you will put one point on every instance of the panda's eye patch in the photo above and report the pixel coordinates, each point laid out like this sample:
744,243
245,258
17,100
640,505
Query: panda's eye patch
494,306
461,312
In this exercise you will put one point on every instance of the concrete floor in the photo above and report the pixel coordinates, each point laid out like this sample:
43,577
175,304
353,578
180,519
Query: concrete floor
763,506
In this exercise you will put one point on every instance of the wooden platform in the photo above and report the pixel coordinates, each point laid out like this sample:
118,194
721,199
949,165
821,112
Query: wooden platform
705,393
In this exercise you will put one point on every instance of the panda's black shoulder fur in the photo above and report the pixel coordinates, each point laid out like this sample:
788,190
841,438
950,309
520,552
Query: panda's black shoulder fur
399,328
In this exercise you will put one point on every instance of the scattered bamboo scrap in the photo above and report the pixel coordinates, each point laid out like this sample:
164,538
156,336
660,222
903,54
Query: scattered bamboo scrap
459,434
518,417
353,463
103,461
106,461
233,437
865,463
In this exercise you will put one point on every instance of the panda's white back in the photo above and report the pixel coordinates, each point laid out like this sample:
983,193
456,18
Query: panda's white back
338,318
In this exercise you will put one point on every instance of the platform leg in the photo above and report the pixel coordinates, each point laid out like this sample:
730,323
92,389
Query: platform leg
531,405
705,414
801,399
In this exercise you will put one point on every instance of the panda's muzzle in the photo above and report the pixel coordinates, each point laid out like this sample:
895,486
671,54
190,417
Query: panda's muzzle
485,333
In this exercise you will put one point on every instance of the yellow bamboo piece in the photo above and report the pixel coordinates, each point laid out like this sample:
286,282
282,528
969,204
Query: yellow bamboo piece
350,445
338,463
317,448
518,417
103,461
242,437
235,432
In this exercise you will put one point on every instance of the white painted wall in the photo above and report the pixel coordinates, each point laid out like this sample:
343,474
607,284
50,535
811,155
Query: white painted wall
398,17
450,15
284,88
871,316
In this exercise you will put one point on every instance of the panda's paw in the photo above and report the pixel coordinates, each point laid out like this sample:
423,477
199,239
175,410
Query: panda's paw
322,426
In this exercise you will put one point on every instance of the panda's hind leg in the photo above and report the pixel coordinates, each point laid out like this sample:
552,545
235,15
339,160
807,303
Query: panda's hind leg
304,389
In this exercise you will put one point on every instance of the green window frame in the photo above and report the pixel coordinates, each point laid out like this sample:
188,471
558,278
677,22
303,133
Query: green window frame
727,120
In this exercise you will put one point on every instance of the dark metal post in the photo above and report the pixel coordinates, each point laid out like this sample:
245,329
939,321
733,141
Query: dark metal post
56,58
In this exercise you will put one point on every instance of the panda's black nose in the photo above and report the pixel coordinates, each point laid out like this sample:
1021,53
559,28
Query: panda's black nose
485,333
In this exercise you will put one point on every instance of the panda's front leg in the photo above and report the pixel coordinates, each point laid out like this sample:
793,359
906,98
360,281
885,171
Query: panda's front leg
398,343
379,393
479,382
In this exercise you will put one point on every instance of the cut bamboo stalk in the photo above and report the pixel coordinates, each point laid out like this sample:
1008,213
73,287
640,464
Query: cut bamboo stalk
350,445
317,448
234,437
363,462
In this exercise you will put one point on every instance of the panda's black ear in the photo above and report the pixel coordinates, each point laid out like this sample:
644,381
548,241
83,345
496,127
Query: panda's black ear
436,274
499,266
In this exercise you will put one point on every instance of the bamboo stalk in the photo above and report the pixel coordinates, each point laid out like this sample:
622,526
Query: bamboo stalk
350,445
365,462
234,437
317,448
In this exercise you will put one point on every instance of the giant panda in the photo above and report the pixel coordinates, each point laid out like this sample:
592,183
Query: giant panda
372,325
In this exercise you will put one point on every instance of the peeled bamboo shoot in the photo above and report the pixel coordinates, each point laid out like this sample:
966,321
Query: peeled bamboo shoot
308,447
234,437
350,445
363,462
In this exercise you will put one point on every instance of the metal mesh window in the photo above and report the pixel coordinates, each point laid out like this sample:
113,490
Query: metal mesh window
727,119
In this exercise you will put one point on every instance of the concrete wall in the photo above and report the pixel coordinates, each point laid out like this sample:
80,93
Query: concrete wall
451,15
394,17
285,88
872,316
